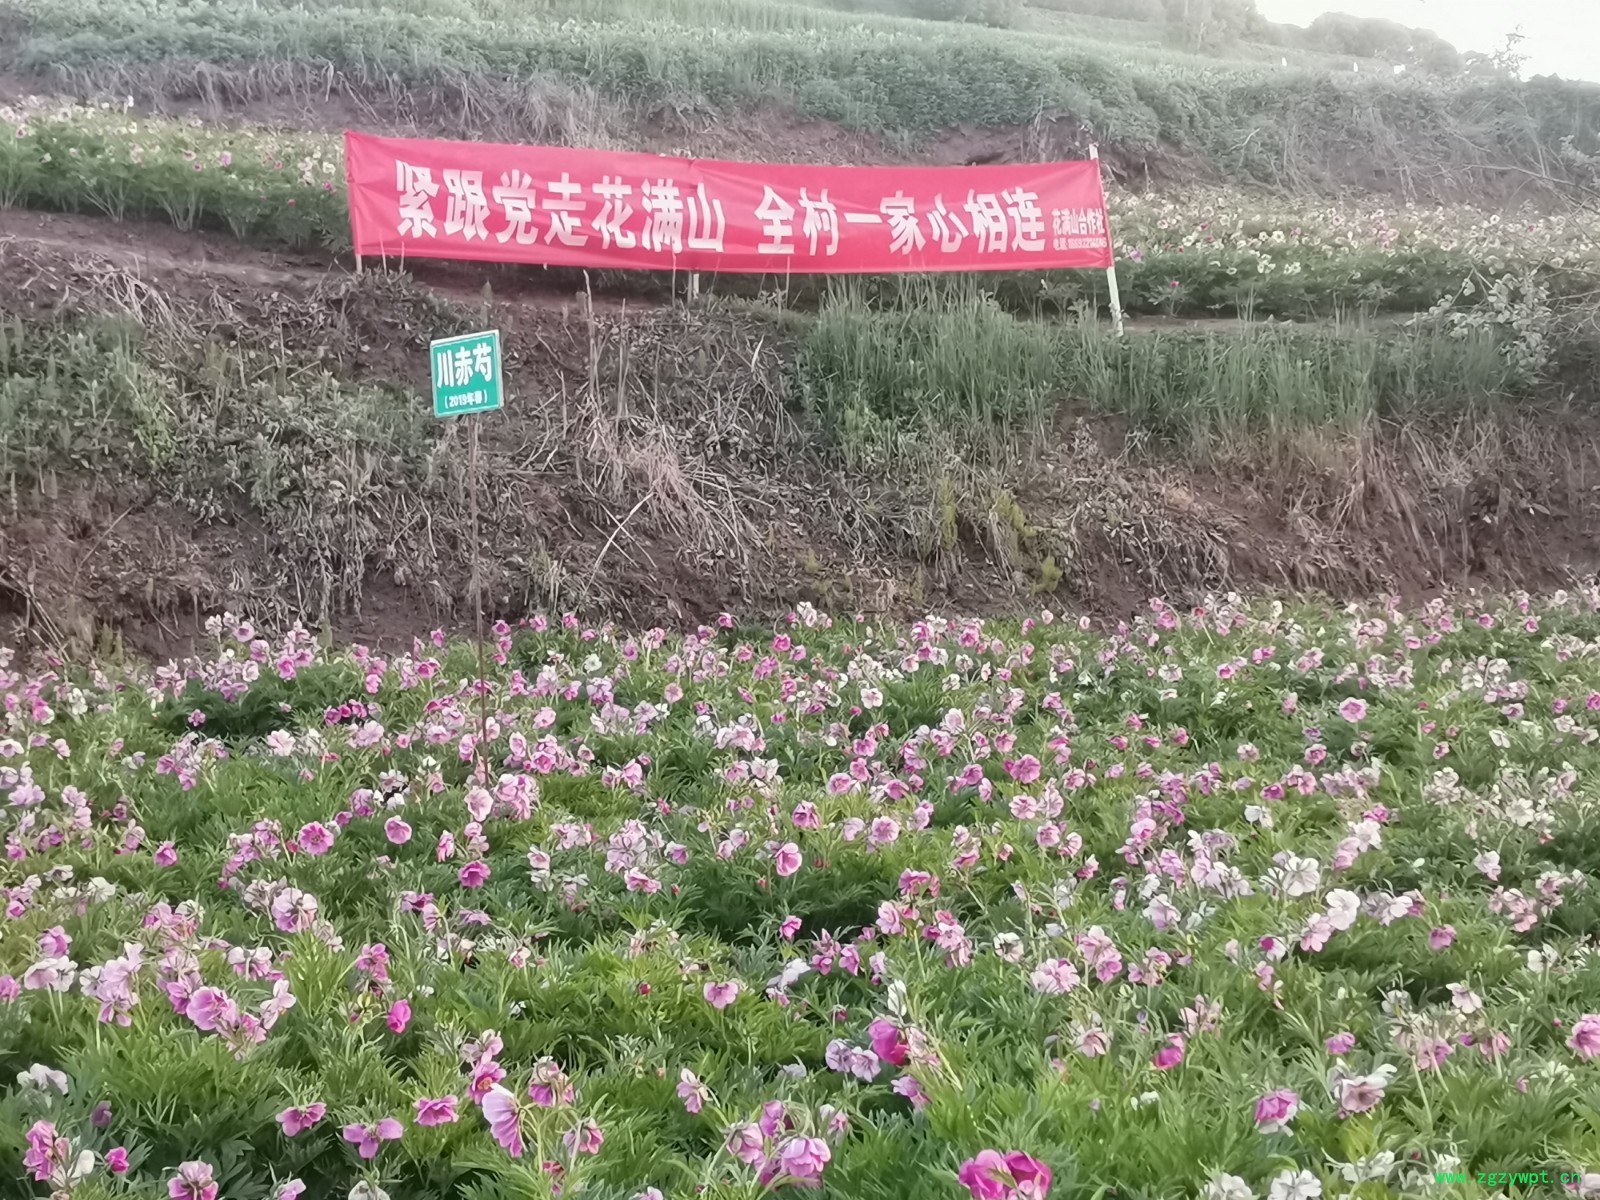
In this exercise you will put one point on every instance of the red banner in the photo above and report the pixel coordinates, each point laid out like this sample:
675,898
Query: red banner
478,201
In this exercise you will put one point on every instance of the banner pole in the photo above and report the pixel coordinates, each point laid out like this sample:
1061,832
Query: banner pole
1111,271
477,598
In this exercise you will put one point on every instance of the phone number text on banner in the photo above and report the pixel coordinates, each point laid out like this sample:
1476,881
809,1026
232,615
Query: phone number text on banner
478,201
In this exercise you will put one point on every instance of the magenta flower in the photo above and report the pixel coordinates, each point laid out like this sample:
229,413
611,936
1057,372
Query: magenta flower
501,1110
100,1117
720,995
117,1160
1169,1055
474,875
549,1085
210,1007
46,1150
193,1182
296,1121
397,831
789,927
399,1016
1275,1110
436,1112
1340,1044
368,1138
787,859
315,838
165,855
1585,1039
1441,937
887,1043
1011,1176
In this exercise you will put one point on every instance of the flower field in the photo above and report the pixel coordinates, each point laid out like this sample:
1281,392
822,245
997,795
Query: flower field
1195,252
1232,902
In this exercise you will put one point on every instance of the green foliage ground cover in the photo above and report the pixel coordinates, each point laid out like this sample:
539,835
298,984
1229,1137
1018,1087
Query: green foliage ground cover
1251,900
1191,252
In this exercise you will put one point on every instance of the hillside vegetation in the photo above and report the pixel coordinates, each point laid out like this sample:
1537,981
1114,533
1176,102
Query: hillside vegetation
476,59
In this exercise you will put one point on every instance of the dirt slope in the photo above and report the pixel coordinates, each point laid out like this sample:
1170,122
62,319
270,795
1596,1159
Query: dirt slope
650,466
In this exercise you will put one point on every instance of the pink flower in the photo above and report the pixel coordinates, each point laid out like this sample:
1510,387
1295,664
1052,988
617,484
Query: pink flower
1169,1055
1275,1110
1359,1093
1011,1176
1441,937
505,1119
1585,1039
586,1139
368,1138
720,995
789,927
747,1143
296,1121
165,855
436,1112
787,859
192,1182
1353,710
315,838
799,1162
691,1091
887,1043
474,875
117,1160
1340,1044
397,831
289,1189
399,1016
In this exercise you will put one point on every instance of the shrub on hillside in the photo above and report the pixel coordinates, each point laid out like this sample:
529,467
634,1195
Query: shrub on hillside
1387,41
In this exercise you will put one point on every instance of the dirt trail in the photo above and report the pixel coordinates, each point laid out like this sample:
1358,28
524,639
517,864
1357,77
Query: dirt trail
156,252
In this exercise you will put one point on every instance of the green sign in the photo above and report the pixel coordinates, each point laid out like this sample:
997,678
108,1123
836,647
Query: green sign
466,374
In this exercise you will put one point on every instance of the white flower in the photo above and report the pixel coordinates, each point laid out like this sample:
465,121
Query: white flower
43,1078
1294,1185
1008,947
1301,876
1376,1166
1343,907
1465,999
368,1191
1228,1187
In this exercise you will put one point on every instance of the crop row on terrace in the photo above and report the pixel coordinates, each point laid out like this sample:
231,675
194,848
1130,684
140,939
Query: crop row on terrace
1238,902
1205,251
900,77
